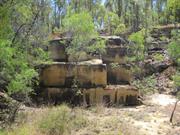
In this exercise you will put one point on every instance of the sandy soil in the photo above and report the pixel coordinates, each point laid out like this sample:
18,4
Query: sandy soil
152,118
149,119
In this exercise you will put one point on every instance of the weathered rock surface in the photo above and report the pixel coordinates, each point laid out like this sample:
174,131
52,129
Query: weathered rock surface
64,74
155,66
57,50
118,74
114,40
90,75
112,94
115,54
115,50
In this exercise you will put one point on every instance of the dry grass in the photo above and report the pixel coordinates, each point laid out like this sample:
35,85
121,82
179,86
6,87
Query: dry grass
63,120
97,120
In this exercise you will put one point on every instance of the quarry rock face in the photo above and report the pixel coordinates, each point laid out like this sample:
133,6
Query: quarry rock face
100,81
57,51
158,58
115,50
118,74
63,75
115,54
111,94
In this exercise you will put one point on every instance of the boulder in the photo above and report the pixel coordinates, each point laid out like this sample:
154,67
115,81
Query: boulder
114,40
153,66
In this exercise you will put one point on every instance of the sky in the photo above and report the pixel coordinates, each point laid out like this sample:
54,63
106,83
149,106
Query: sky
103,1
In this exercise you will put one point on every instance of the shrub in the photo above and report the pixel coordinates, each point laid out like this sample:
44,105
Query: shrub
120,29
61,120
158,57
111,21
82,29
138,47
147,85
174,46
114,65
17,67
176,79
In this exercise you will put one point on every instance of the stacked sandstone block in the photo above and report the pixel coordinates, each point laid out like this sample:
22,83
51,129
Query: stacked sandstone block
98,81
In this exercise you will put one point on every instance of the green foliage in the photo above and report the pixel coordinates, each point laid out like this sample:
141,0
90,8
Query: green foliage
174,47
2,132
138,48
61,121
176,79
15,69
22,81
158,57
174,50
111,22
83,31
147,85
114,65
164,38
120,29
136,70
22,37
173,7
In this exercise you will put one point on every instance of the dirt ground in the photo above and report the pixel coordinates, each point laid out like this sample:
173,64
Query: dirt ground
152,118
149,119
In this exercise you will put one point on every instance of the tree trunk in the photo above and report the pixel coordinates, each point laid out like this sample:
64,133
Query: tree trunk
172,114
119,8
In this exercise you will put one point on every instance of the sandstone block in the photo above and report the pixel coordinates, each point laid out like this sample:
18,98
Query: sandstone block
57,51
64,74
118,74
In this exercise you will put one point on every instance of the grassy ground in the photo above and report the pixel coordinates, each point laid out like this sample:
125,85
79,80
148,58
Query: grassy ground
149,119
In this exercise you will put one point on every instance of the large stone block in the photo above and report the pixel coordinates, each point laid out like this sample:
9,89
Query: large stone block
115,54
64,74
99,95
118,74
112,94
105,96
126,94
116,50
57,51
89,96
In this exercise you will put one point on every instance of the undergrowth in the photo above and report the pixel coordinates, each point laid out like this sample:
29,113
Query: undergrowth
146,85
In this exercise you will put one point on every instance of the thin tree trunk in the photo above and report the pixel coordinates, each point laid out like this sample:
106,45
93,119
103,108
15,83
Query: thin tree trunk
172,114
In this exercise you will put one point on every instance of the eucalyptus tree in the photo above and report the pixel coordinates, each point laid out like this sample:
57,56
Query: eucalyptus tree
174,9
82,30
23,27
59,12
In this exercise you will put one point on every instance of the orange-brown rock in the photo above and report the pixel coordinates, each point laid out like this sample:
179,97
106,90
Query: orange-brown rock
57,51
64,74
118,74
112,94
